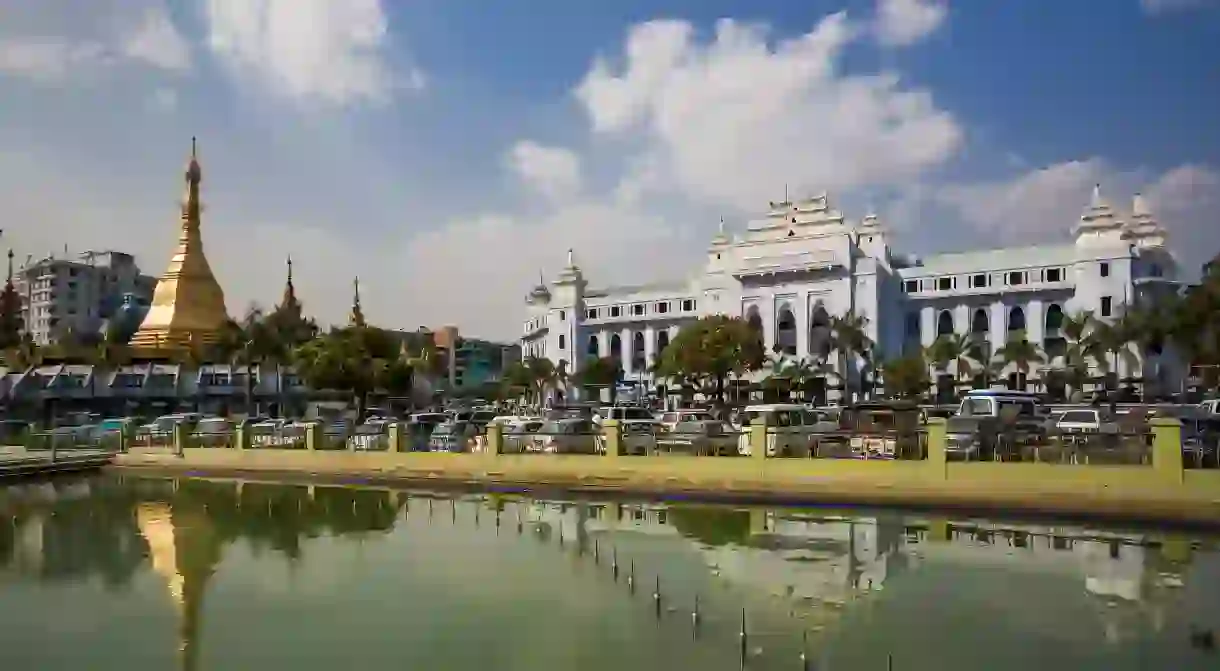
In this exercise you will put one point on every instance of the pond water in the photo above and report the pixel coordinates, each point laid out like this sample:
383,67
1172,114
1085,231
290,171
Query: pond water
129,573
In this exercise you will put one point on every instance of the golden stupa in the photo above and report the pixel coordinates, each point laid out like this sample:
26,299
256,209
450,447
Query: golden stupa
188,306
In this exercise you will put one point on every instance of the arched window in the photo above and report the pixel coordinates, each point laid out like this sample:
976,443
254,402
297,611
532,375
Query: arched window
637,351
1016,320
593,350
785,331
819,332
1054,320
616,347
944,324
980,323
662,342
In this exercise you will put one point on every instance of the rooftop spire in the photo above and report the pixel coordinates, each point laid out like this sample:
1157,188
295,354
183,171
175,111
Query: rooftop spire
10,265
289,300
1098,216
357,318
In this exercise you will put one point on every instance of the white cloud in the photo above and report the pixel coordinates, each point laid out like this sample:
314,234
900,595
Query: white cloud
735,120
1158,7
901,23
328,50
156,41
47,59
553,172
1043,204
57,45
164,100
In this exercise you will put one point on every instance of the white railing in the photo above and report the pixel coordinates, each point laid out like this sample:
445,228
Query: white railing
788,262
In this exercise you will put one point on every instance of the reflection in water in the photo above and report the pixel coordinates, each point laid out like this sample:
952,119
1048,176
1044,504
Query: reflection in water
1108,599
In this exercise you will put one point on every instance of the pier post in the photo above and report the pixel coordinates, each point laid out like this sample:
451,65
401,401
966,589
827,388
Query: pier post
938,437
1167,449
495,440
612,437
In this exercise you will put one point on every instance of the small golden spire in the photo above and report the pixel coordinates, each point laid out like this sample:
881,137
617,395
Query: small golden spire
357,313
10,265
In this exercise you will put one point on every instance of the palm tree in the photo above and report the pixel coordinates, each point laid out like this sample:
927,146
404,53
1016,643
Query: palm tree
849,339
542,375
1113,339
1022,354
906,376
954,350
602,372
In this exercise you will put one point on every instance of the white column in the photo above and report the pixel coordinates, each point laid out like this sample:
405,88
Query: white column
927,325
800,310
1035,321
628,341
650,344
767,312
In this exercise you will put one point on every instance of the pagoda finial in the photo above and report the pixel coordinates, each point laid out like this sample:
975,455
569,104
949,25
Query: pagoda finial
290,270
571,258
1096,201
289,300
1139,206
10,265
357,312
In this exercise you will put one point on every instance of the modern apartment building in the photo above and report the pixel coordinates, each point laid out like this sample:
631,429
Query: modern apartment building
469,361
64,294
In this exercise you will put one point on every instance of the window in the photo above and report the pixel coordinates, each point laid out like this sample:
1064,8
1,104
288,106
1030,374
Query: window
1105,269
912,325
1107,305
944,283
662,307
562,341
978,281
1054,275
614,311
637,309
1016,278
591,313
563,315
1155,270
688,305
910,286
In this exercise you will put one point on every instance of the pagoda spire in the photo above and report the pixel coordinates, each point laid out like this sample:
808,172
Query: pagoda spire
188,304
289,300
357,317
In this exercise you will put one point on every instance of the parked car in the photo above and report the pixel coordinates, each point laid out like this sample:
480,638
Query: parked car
992,424
213,432
568,436
452,437
518,436
710,437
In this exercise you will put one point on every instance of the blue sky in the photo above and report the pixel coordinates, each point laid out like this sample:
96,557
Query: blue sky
447,151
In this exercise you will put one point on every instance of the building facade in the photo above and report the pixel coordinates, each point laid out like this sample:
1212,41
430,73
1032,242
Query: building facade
63,295
470,362
803,262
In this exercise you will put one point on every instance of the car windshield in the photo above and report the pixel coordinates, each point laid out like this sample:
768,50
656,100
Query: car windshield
1078,417
972,407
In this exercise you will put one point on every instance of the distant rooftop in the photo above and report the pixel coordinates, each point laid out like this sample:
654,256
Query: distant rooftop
992,259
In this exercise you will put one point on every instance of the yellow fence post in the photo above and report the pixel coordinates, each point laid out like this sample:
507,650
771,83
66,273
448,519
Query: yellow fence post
495,440
758,439
1167,448
311,436
179,436
612,436
938,439
241,435
394,437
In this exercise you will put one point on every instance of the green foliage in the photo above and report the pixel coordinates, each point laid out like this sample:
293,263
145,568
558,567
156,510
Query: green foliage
907,377
356,359
711,349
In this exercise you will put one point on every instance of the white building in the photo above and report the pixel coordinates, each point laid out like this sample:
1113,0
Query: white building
803,262
61,295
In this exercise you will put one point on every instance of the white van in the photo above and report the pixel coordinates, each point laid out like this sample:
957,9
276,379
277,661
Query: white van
790,428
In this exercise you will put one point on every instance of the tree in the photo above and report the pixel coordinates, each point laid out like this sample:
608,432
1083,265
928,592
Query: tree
599,373
357,359
906,377
849,340
1113,339
541,374
712,348
11,324
954,351
1021,353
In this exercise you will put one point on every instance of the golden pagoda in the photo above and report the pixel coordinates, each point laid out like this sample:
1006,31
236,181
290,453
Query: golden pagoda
188,306
357,316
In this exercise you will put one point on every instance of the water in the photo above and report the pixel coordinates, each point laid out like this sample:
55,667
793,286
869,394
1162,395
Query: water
112,573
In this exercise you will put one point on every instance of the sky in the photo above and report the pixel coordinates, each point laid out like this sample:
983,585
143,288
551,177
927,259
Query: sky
447,152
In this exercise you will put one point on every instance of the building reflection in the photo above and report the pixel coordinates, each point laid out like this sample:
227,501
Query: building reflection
820,564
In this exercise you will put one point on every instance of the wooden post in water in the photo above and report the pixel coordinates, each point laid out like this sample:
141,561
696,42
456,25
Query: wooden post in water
743,640
614,563
806,665
694,618
656,597
596,552
631,577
